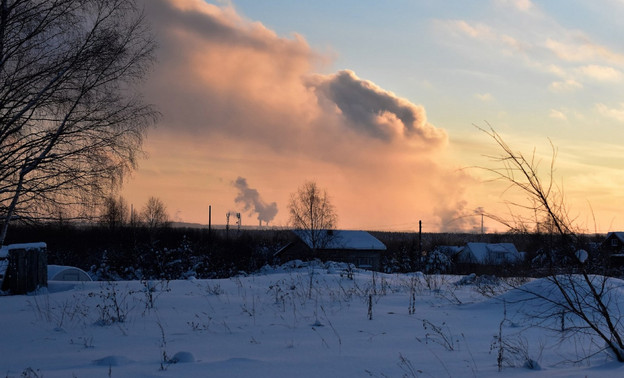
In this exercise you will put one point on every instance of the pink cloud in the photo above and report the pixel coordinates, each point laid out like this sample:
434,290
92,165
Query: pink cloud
239,100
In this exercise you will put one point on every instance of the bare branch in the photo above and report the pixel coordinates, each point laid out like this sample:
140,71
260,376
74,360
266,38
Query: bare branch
589,299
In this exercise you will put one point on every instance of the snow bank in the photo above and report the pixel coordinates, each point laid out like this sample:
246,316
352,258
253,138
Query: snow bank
182,357
302,319
112,361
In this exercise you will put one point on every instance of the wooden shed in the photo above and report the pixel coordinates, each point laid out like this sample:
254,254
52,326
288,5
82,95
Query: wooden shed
23,267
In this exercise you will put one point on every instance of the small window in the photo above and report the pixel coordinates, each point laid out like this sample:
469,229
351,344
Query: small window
614,242
364,262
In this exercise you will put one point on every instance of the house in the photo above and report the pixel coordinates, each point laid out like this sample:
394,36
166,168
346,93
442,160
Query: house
355,247
489,254
613,247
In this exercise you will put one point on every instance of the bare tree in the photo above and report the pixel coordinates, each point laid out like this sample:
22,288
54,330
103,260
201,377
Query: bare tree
546,208
115,212
71,121
312,212
588,302
154,214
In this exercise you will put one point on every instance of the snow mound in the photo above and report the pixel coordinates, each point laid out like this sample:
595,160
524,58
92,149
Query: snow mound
60,286
466,280
473,279
113,361
544,301
532,365
182,357
548,289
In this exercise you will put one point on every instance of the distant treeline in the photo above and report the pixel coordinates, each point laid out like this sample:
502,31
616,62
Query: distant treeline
153,253
139,252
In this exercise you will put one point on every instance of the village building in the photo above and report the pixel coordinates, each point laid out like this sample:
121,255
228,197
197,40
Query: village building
613,248
489,254
359,248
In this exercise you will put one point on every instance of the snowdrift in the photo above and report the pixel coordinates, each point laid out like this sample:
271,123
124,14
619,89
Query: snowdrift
300,319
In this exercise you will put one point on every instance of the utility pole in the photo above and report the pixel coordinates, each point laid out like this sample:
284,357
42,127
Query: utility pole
420,238
481,223
227,225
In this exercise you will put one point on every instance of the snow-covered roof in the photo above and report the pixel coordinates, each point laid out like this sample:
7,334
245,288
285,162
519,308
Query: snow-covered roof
344,239
490,253
618,234
4,250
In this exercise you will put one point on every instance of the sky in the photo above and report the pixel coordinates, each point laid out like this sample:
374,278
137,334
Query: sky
379,103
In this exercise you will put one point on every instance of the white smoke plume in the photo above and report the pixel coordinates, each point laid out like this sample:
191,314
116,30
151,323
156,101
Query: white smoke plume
252,202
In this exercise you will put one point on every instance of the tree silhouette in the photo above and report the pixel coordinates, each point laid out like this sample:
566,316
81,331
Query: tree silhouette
154,214
312,212
71,121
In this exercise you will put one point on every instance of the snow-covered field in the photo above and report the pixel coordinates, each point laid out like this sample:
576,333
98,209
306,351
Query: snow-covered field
306,321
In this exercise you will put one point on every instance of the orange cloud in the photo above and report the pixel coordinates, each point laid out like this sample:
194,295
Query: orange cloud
240,101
